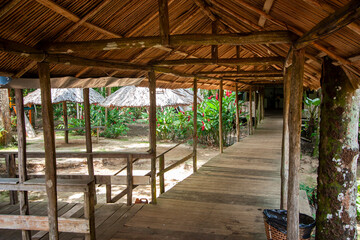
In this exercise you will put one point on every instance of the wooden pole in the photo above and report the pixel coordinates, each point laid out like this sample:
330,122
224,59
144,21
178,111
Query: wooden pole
256,99
250,112
88,140
23,195
214,48
338,155
65,122
296,93
285,140
152,132
164,25
130,183
49,146
237,113
221,140
11,171
195,137
108,93
162,177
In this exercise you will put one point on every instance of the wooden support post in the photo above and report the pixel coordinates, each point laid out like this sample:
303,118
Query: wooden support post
263,104
89,210
237,113
250,112
338,155
195,137
108,193
296,93
152,132
49,146
285,140
90,159
162,177
11,172
65,122
256,99
221,140
130,183
164,22
24,201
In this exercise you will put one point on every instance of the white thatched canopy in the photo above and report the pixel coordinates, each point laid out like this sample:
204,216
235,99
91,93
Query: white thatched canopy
64,95
131,96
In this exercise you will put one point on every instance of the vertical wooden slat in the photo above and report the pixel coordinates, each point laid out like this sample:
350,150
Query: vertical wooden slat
130,183
152,132
221,93
162,177
285,141
237,113
21,132
11,172
65,122
250,112
164,22
214,48
195,137
89,211
296,93
49,146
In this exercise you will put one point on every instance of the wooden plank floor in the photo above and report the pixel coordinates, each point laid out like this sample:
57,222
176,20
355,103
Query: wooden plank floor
106,217
224,200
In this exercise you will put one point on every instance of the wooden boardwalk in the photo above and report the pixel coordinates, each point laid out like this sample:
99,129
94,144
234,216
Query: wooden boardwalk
224,199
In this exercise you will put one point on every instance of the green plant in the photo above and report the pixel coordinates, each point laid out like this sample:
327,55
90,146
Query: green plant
311,193
2,132
115,130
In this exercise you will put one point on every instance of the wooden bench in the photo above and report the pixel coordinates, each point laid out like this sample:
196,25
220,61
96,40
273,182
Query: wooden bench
40,223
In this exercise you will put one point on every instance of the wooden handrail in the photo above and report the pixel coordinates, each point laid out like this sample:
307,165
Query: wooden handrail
175,164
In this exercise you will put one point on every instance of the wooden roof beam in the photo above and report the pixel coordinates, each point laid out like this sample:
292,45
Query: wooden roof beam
222,61
294,30
7,7
176,40
242,73
320,4
330,24
267,6
164,22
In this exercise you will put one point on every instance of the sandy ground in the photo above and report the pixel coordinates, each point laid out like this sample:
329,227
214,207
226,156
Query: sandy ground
136,140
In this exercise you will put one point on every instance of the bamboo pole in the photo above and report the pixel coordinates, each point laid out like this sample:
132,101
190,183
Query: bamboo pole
296,93
221,141
21,132
65,122
195,137
237,113
152,136
49,146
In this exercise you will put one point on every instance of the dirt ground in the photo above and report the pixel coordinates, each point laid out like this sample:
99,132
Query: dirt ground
136,140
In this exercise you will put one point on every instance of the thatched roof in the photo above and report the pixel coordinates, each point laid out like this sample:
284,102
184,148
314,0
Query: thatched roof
131,96
53,21
64,95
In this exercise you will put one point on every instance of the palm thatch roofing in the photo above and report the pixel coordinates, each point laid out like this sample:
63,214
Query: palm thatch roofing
131,96
42,23
59,95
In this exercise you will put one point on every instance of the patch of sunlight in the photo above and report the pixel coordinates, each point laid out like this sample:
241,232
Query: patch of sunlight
76,195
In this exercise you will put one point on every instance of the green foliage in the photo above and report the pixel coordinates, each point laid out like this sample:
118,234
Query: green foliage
2,132
311,193
174,124
115,130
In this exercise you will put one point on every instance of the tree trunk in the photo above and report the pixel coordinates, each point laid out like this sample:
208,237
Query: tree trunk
339,151
5,123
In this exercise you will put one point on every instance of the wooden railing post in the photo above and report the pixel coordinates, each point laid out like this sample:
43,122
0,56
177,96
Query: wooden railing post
152,132
161,176
11,171
195,137
108,193
221,142
89,210
237,113
65,122
130,183
50,152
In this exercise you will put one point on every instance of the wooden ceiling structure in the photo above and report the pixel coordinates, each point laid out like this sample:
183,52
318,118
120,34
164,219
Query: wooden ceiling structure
237,41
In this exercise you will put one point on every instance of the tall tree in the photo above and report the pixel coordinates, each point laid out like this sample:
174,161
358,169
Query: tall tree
5,122
339,151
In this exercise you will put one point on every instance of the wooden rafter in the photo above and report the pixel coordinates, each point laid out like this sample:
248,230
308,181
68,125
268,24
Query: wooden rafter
330,24
242,73
164,22
267,6
5,9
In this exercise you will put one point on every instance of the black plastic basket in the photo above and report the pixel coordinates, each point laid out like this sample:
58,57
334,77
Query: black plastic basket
276,224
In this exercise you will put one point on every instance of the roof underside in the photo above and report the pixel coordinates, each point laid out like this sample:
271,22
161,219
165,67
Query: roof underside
34,21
